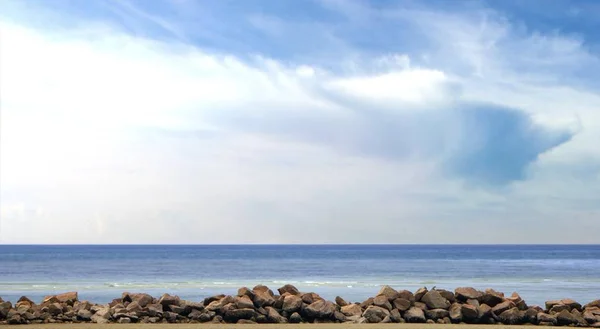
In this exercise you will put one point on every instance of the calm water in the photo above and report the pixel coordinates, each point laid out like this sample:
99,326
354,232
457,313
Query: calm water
355,272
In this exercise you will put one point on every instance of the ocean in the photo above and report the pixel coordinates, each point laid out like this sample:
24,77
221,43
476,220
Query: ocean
102,272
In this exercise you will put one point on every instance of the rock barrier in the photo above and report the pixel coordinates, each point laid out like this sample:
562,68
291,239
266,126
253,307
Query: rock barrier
288,305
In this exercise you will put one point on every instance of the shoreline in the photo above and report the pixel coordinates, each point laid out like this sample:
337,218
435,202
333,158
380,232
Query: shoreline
261,305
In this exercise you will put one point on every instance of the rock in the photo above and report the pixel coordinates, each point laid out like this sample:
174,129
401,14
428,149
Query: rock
382,301
288,288
405,294
502,307
565,318
351,310
388,292
4,308
395,316
437,314
178,310
435,300
245,291
367,302
24,302
530,315
511,316
464,293
133,307
375,314
55,309
234,315
595,303
402,304
292,303
84,315
559,308
295,318
340,301
573,305
580,321
449,295
548,318
551,303
518,301
68,298
492,298
263,296
273,316
155,310
455,313
244,302
420,293
14,318
166,300
484,311
469,312
421,305
589,316
339,316
415,315
320,309
124,320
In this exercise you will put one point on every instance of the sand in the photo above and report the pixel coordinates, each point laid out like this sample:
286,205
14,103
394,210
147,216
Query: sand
269,326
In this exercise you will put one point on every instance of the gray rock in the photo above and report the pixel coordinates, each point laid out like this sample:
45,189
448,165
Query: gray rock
375,314
435,300
382,301
415,315
402,304
295,318
351,310
437,314
388,292
469,312
511,316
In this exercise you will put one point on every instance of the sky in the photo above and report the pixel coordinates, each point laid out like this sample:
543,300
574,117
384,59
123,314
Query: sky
314,121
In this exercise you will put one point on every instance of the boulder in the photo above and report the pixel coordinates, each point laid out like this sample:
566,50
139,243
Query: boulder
420,293
492,298
375,314
511,316
351,310
436,314
292,303
339,316
243,302
415,315
166,300
367,302
321,309
340,301
155,310
469,312
595,303
465,293
234,315
518,301
55,309
449,295
84,315
547,318
388,292
421,305
580,321
573,305
142,299
402,304
245,291
124,320
502,307
295,318
559,308
395,316
133,307
551,303
435,300
455,313
565,318
405,294
589,316
273,316
382,301
473,302
68,298
288,288
484,311
263,296
24,302
530,315
4,308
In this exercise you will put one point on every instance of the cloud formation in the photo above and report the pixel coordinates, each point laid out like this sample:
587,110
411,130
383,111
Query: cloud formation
332,122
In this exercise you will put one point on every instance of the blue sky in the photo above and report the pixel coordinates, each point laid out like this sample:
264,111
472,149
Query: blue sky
322,121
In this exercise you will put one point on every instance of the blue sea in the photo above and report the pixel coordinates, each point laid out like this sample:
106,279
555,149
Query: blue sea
101,272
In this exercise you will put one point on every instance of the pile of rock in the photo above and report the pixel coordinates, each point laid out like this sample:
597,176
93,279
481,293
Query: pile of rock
261,305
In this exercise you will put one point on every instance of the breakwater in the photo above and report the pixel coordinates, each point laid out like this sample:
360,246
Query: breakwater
288,305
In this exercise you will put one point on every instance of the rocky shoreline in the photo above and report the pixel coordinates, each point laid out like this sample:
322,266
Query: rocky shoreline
261,305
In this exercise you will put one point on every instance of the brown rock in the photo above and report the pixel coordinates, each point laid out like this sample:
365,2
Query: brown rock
469,312
420,293
421,305
367,302
245,291
518,301
502,307
234,315
511,316
243,302
340,301
84,315
465,293
484,311
375,314
435,300
551,303
295,318
155,310
382,301
133,307
456,313
166,300
492,297
289,289
274,316
55,309
415,315
473,302
437,314
68,297
402,304
395,316
545,317
388,292
292,303
573,305
589,316
559,308
351,310
24,302
530,315
405,294
449,295
580,321
263,296
320,309
565,318
595,303
124,320
142,299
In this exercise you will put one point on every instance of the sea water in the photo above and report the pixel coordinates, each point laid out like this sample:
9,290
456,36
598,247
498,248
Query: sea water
100,273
